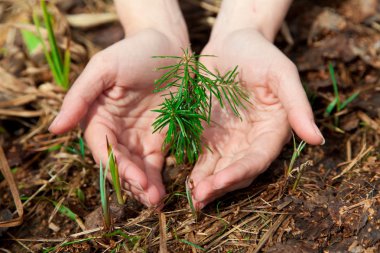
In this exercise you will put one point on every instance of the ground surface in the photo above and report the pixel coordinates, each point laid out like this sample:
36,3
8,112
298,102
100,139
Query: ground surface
334,208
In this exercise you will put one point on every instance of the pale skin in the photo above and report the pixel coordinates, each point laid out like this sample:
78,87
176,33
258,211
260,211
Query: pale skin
113,97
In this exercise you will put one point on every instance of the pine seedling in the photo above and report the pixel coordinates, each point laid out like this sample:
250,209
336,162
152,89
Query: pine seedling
104,196
189,90
112,164
59,66
337,104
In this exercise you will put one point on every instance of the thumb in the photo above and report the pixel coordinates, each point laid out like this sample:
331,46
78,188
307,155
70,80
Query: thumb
95,78
289,90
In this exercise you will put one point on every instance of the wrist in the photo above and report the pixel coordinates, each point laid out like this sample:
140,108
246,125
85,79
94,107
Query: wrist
265,16
162,15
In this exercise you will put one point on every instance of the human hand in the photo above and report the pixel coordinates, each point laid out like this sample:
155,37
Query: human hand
241,150
114,97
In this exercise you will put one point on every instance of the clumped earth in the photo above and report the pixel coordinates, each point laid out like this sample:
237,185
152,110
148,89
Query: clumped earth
334,208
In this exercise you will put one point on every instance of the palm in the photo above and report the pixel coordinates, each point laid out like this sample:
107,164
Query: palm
127,120
241,150
118,106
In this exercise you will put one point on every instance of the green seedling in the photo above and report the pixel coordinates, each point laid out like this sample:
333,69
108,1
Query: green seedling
78,148
337,105
64,210
190,88
112,164
56,248
189,187
132,240
59,65
297,149
299,174
104,196
82,147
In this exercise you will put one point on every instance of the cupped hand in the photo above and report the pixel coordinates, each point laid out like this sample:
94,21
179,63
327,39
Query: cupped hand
241,150
114,97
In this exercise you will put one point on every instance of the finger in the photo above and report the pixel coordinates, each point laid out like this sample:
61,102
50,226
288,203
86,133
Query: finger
128,170
136,194
243,171
289,90
204,167
153,167
95,78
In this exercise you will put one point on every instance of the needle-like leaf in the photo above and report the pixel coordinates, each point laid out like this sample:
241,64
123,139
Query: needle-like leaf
188,104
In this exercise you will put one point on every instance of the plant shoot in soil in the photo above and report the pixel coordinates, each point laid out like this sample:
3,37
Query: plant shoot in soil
189,92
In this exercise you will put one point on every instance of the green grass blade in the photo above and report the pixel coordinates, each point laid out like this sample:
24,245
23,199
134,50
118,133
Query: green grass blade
54,148
330,107
31,41
65,211
82,147
103,196
132,239
190,198
48,57
66,69
57,59
112,163
192,244
296,153
47,250
335,85
349,100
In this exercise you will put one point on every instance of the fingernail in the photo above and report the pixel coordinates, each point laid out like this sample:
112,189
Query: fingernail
200,205
55,121
195,197
318,132
136,184
145,200
148,201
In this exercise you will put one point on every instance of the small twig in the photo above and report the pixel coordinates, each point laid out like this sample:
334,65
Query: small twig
345,209
269,233
19,242
45,185
163,235
6,171
363,152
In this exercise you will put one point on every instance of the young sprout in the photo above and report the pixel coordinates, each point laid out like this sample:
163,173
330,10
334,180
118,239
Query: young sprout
104,196
336,103
296,153
59,67
82,148
190,88
66,211
112,164
78,148
299,174
189,187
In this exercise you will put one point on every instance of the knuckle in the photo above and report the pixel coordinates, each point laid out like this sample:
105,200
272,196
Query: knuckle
101,62
292,66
